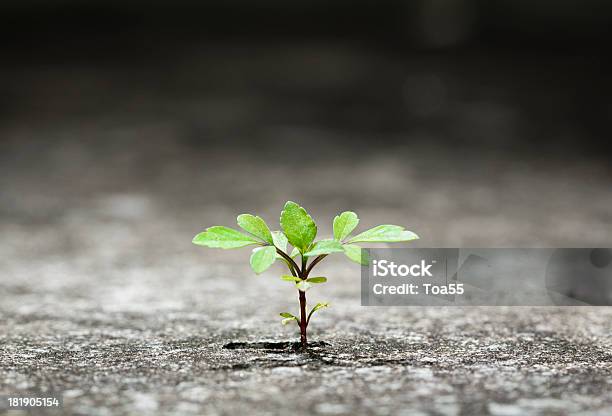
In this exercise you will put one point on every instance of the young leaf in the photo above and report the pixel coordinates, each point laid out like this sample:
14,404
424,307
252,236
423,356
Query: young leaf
280,240
303,285
262,258
256,226
344,224
324,247
288,318
316,279
294,252
224,237
298,226
318,306
291,278
384,234
357,254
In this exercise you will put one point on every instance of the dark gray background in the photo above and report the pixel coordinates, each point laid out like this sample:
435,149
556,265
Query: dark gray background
126,128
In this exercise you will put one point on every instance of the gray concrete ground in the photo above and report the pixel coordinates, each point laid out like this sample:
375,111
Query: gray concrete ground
104,298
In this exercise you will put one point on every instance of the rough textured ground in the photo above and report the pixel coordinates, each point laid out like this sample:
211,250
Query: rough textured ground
103,297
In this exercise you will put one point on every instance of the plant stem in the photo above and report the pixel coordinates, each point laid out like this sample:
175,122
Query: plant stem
303,320
294,268
302,273
303,317
313,263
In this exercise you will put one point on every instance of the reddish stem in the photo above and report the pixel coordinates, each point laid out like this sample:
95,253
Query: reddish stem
303,320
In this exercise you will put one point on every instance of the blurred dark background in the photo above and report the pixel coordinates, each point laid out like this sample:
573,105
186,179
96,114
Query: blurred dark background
538,71
206,104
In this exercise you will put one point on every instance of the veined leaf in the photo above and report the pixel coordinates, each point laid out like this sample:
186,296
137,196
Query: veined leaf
298,226
344,224
262,258
287,315
224,237
291,278
324,247
384,234
357,254
294,252
256,226
280,240
316,279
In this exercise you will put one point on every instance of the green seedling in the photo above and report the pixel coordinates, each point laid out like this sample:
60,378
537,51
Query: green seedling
299,230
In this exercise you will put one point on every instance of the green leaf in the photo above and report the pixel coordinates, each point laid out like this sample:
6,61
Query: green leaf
280,240
324,247
298,226
408,236
262,258
303,286
223,237
318,306
288,318
291,278
317,279
357,254
384,234
256,226
294,252
344,224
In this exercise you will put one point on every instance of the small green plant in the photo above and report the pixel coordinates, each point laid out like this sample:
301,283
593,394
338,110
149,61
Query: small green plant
299,230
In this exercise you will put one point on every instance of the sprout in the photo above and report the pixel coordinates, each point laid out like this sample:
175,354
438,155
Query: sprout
299,230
